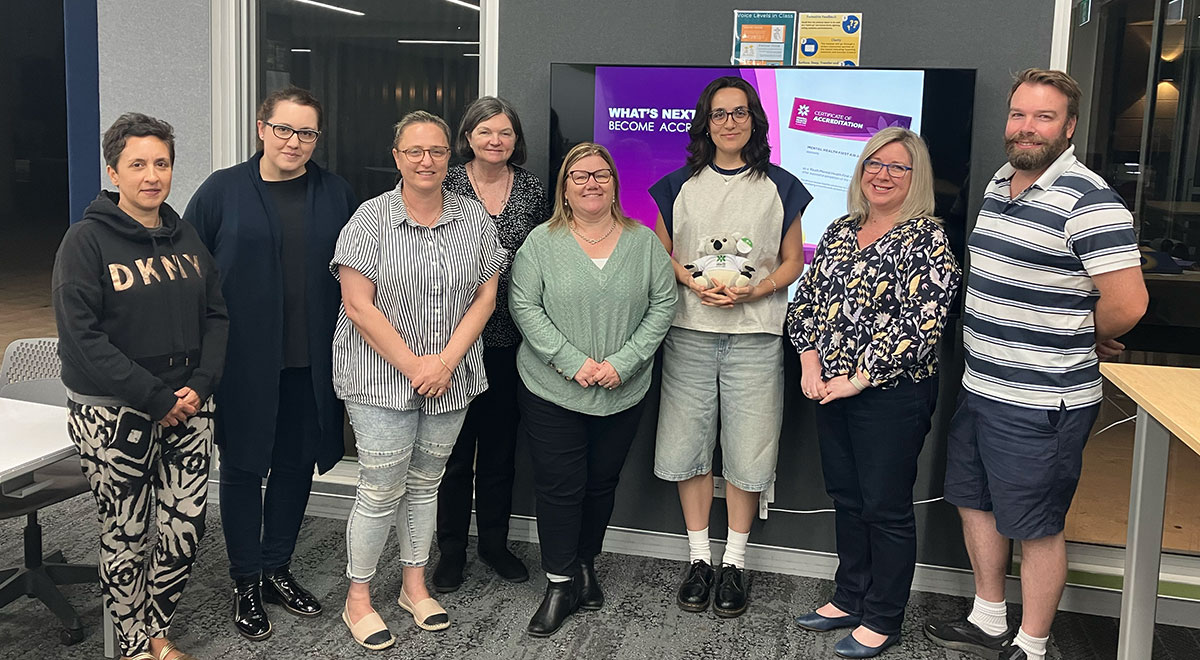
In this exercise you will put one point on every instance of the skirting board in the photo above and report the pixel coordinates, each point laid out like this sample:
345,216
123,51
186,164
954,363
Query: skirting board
335,500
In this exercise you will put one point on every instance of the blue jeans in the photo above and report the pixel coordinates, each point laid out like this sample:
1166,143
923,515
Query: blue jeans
736,377
401,457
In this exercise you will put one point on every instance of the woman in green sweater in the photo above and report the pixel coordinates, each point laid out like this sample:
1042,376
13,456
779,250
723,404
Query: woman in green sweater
593,294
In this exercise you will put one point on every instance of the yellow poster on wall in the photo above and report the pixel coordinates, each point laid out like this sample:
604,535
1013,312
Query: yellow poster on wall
828,39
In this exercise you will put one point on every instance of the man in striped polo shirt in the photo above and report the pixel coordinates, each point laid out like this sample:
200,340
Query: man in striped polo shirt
1054,279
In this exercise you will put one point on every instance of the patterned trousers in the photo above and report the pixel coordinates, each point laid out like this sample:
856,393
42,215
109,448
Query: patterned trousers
133,465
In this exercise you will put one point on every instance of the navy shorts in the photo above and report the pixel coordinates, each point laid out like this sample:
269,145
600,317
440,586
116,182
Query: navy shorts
1022,464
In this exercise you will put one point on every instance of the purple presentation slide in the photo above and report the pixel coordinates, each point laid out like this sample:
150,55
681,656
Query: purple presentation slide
819,120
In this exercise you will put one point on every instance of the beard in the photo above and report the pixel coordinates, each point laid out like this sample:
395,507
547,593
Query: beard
1034,159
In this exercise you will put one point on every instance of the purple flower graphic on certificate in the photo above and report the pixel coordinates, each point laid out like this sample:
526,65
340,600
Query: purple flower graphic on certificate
842,121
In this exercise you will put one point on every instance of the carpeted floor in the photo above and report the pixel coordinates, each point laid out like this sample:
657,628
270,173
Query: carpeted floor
639,619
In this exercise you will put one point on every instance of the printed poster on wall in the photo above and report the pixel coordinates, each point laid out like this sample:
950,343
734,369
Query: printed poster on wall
828,39
763,37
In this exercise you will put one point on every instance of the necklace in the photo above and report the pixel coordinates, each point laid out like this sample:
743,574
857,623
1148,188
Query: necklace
733,174
593,241
408,209
479,191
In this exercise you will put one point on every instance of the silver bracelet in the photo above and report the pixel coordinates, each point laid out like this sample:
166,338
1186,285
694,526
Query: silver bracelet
774,286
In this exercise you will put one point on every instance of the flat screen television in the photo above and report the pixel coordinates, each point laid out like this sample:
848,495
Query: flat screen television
820,120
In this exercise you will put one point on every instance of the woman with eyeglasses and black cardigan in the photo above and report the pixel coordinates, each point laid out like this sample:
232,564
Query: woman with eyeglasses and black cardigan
272,222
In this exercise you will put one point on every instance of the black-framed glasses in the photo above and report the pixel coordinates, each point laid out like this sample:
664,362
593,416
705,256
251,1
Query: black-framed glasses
417,154
895,170
580,177
720,115
285,132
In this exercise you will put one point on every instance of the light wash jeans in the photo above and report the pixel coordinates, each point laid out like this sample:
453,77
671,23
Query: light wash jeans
401,457
741,378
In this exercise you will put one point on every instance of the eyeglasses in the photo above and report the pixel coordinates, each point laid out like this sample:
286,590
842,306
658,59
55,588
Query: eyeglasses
720,115
580,177
417,154
285,132
895,170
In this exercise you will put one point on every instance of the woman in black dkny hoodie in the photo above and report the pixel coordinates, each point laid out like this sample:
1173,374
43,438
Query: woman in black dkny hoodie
142,329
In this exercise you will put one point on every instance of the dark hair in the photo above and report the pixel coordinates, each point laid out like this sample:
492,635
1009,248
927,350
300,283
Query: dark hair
1056,79
701,150
481,110
135,124
293,94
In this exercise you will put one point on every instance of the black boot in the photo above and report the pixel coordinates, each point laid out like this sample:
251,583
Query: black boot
591,596
249,615
561,601
280,588
448,574
503,561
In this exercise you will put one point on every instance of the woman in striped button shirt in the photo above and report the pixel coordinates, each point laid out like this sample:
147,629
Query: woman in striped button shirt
418,267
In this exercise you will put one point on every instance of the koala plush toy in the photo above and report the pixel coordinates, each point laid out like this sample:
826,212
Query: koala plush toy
723,261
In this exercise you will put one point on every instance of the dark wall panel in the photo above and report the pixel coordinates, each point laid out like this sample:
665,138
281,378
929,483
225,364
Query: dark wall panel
995,39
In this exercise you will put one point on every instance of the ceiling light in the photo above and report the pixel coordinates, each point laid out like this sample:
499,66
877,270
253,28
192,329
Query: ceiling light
323,5
470,54
437,41
460,3
301,50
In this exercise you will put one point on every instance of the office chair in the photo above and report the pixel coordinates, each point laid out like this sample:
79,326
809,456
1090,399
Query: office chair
30,372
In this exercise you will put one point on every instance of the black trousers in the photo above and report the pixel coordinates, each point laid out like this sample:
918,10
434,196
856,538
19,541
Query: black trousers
577,461
869,449
482,462
260,531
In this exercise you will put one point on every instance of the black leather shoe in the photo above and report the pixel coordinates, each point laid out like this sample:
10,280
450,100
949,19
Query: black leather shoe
504,562
560,602
849,647
249,615
962,635
280,587
448,574
591,596
696,586
731,596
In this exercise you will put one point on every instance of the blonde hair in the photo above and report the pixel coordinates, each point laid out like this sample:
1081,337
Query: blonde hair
919,202
419,117
562,210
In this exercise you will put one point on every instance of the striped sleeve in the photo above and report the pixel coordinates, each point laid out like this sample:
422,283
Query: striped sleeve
358,244
1100,232
492,257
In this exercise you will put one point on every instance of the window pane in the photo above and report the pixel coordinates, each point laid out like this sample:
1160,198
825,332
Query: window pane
364,78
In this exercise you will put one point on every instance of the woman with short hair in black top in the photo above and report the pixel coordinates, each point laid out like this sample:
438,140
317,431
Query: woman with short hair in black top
491,139
272,222
141,334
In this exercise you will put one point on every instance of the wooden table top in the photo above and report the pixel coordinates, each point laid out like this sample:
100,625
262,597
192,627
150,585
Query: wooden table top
1169,394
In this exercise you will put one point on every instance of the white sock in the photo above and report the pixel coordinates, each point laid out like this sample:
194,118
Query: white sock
992,618
735,548
557,578
698,546
1034,647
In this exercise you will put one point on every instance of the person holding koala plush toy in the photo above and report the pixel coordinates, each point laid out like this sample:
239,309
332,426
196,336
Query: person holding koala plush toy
731,221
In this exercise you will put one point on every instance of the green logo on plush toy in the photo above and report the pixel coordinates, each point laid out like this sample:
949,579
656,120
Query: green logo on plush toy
723,261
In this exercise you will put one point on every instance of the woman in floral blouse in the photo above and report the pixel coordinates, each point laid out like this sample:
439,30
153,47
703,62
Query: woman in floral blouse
866,321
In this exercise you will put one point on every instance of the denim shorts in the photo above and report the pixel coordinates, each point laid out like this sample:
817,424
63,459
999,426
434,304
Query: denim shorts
736,377
1022,464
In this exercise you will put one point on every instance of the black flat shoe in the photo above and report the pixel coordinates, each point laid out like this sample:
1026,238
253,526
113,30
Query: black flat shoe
280,587
591,596
962,635
504,562
448,574
249,615
731,597
696,587
560,602
849,647
818,623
